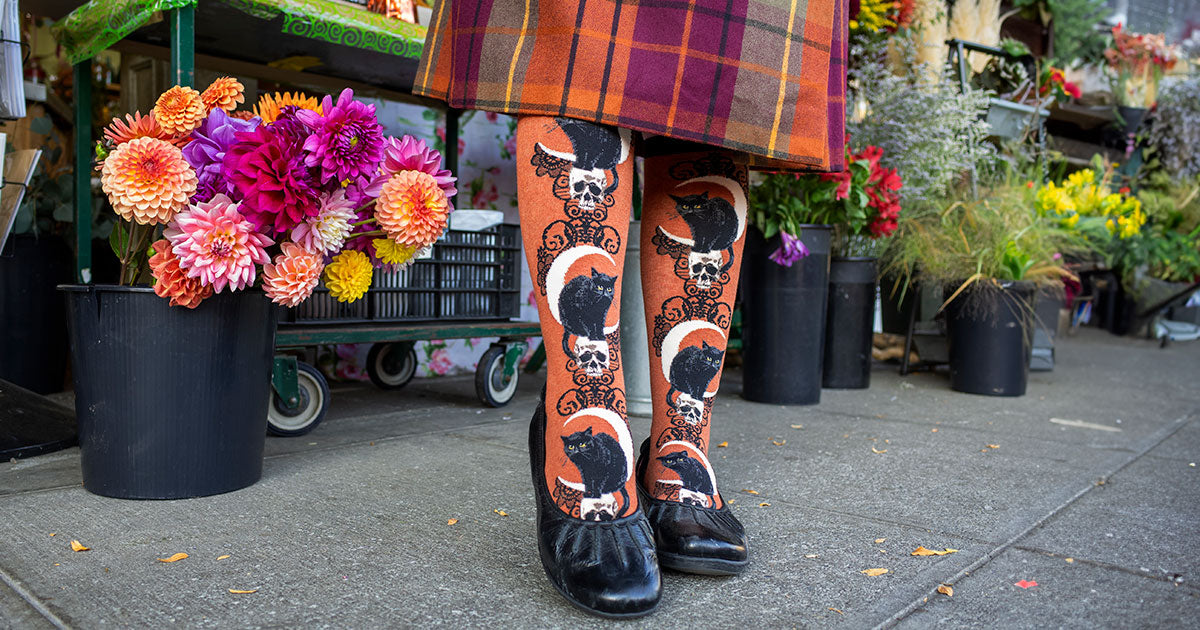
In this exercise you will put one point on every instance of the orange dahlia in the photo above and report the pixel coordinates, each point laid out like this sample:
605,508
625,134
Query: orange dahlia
268,106
179,110
147,180
172,282
139,126
242,114
293,276
412,209
225,92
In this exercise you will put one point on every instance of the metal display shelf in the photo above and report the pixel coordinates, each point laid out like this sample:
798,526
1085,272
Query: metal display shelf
353,47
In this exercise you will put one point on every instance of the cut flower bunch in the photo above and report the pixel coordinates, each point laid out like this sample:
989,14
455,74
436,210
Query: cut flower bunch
279,197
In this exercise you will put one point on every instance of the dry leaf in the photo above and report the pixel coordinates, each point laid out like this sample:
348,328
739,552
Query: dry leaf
53,534
78,546
779,442
749,490
224,557
846,435
1025,584
175,558
451,521
236,591
933,430
874,572
1070,560
921,551
764,504
797,426
883,551
880,540
946,590
723,445
810,555
877,451
993,445
501,512
837,611
57,564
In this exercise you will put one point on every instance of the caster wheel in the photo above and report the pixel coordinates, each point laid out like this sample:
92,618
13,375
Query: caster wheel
391,365
492,387
286,420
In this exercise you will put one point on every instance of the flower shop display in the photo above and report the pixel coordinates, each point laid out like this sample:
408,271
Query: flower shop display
1137,63
228,216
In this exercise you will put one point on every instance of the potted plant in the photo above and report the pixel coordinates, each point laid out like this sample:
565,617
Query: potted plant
1137,63
991,254
223,213
865,209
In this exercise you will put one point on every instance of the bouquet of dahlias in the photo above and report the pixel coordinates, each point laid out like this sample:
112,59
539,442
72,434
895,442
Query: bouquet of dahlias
295,190
1138,62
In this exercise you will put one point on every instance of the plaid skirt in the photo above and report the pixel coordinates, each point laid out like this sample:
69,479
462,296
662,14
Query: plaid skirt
763,77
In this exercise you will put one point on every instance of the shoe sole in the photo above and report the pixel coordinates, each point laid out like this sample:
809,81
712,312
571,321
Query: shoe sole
600,613
701,566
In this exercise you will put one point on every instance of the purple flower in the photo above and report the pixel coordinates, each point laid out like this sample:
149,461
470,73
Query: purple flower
346,141
791,249
206,151
411,154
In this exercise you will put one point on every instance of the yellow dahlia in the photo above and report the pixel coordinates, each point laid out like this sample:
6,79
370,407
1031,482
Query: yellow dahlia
349,275
147,180
179,110
392,254
293,276
225,92
173,282
268,106
412,209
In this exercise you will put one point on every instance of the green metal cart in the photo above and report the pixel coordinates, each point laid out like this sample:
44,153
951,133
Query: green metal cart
374,55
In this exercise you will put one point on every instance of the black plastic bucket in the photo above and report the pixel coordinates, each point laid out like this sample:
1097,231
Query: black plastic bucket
783,319
893,310
849,324
991,338
171,402
33,327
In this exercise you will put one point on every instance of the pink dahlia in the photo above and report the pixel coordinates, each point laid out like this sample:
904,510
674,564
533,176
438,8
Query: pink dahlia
266,170
411,154
327,232
293,276
347,140
216,244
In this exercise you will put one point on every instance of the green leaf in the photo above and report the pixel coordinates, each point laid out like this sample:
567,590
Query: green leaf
119,239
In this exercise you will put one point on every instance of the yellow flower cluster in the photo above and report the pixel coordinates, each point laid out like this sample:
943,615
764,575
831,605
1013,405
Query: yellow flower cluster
349,275
874,16
392,253
1083,196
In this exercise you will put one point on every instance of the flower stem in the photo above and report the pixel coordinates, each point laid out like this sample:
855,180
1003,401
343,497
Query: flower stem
366,205
371,233
363,222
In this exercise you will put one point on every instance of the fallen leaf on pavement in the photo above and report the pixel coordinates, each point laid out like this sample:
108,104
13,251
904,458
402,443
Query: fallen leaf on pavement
880,540
933,430
797,426
993,445
53,534
877,451
874,572
921,551
723,445
810,555
749,490
78,546
764,504
501,512
237,591
1070,560
451,521
1025,584
837,611
946,590
224,557
175,558
779,442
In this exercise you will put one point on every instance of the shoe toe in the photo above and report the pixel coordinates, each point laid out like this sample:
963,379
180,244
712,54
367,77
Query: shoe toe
605,568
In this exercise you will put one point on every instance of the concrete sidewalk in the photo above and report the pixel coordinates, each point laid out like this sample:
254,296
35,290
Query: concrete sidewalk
1087,485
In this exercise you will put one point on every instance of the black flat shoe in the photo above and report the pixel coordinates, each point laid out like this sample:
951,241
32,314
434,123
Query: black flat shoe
691,538
607,568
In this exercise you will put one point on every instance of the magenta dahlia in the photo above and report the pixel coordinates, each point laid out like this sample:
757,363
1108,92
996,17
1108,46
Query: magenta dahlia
267,171
347,140
216,244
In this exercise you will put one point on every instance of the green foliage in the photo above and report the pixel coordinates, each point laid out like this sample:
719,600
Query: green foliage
1077,36
784,202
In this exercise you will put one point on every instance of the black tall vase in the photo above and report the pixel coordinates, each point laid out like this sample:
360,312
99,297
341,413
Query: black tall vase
849,323
171,402
33,327
991,339
783,319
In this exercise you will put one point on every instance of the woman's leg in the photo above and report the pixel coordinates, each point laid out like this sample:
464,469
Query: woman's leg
693,227
573,187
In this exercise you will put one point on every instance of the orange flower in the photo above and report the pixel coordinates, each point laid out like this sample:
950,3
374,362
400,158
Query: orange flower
225,92
173,282
268,106
179,110
139,126
412,209
293,276
242,114
147,180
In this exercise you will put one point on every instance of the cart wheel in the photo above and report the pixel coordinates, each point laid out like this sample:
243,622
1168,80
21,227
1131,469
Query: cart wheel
492,387
391,365
313,400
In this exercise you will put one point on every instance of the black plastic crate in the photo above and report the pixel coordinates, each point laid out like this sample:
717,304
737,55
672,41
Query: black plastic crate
471,276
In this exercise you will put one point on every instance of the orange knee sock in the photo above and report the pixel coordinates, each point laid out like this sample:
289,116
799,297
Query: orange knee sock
693,227
574,184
